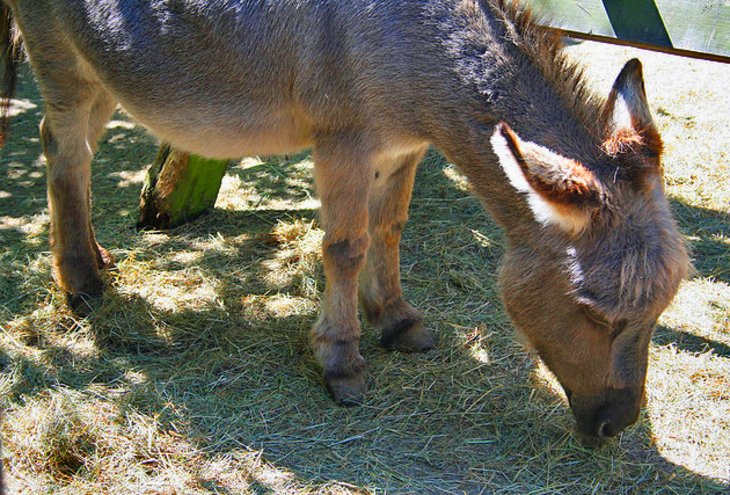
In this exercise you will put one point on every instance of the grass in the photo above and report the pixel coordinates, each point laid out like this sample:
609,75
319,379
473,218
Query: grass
195,376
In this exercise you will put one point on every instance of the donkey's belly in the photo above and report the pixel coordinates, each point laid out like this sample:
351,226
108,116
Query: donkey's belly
213,135
228,143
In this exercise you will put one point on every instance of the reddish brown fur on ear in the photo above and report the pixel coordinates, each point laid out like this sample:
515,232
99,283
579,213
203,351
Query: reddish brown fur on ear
628,121
622,141
557,179
632,140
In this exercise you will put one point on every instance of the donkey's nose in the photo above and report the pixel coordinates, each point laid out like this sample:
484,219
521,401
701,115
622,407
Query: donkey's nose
605,416
614,418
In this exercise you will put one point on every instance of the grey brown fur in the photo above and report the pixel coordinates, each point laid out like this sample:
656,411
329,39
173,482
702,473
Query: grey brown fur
593,254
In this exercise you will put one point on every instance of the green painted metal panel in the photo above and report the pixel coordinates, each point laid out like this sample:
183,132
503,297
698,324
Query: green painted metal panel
583,16
691,25
637,20
197,190
699,25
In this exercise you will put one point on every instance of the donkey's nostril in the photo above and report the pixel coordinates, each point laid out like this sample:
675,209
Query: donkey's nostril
604,429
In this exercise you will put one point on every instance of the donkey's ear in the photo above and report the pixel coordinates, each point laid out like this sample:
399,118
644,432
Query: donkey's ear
627,117
559,191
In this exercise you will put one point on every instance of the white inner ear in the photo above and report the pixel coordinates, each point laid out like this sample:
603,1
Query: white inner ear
569,218
509,164
621,117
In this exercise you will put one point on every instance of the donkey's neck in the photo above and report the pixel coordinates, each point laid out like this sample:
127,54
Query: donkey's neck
509,70
521,75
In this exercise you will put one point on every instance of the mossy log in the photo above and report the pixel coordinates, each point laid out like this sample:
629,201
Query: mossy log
179,187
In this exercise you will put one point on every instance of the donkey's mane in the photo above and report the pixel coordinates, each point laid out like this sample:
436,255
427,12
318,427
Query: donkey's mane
544,48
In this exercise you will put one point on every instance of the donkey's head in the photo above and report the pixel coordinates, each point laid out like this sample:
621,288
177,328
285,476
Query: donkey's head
600,258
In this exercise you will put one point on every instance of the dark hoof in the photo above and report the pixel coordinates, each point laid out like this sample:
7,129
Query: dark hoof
347,390
408,336
85,302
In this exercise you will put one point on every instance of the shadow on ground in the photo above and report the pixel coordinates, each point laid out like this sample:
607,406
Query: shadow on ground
689,342
705,230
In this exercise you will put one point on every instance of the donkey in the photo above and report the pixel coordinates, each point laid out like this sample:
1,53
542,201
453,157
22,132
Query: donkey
593,255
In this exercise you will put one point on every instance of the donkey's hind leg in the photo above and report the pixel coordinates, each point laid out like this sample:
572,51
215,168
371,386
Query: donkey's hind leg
76,111
400,324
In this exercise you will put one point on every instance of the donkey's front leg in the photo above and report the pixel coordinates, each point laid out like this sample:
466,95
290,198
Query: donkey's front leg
343,181
399,323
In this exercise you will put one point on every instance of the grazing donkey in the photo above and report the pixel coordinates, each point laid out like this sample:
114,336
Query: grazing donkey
593,254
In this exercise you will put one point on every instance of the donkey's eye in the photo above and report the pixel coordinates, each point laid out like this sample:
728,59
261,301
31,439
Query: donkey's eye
613,327
619,326
596,317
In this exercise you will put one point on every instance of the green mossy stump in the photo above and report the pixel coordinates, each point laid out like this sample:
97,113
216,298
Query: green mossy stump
178,188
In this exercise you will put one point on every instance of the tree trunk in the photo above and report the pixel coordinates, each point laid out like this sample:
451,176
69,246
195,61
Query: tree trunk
179,187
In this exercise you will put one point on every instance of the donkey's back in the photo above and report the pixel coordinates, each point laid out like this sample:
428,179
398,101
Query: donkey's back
228,78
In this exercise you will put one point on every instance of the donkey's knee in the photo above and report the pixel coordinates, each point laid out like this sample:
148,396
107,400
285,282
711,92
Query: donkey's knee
48,139
101,111
346,257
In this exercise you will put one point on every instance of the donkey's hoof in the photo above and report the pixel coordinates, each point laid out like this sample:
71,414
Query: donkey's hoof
347,390
408,335
85,302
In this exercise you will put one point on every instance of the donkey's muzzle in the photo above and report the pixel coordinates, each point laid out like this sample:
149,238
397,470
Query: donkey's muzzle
607,416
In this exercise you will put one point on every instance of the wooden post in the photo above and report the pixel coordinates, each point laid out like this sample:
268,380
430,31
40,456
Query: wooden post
178,187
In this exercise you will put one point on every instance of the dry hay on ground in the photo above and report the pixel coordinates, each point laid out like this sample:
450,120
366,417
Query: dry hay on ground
195,376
